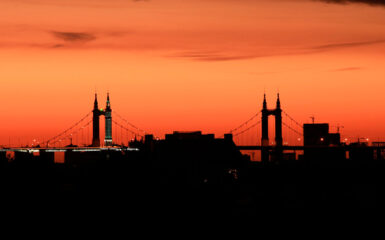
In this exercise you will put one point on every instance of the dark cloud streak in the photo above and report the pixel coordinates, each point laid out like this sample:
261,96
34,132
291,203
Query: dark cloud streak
346,44
369,2
74,36
346,69
80,3
214,56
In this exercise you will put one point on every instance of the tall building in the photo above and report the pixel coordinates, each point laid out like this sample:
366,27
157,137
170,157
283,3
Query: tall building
108,123
322,147
316,134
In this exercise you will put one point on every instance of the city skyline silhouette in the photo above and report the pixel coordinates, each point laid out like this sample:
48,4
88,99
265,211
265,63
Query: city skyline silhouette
216,67
192,108
251,136
126,131
209,175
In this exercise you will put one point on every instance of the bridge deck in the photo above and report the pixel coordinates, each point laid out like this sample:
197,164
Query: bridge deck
65,149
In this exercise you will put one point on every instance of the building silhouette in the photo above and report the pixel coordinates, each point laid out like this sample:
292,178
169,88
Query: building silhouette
316,134
321,146
193,158
190,173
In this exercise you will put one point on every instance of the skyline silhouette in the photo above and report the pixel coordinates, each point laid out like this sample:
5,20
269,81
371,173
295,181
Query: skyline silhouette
192,108
190,174
251,137
161,63
87,128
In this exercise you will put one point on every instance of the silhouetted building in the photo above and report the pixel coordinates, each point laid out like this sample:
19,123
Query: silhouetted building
320,145
334,139
195,173
193,158
316,134
360,152
3,158
135,143
378,144
189,136
380,152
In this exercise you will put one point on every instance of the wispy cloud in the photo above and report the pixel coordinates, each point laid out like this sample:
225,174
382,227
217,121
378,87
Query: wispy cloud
250,54
346,69
184,45
345,45
74,37
370,2
214,56
80,3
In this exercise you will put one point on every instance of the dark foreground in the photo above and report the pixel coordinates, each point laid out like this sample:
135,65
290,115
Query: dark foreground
190,175
122,186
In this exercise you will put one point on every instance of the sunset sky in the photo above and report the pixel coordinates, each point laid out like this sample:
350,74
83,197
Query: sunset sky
191,65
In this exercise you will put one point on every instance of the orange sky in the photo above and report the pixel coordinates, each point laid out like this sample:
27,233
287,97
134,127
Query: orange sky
190,65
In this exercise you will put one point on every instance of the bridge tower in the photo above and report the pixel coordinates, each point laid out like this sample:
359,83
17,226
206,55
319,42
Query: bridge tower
277,113
108,123
265,131
95,124
278,124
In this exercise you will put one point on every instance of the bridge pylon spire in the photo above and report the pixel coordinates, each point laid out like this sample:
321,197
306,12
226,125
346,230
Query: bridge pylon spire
278,125
264,101
108,122
95,124
277,113
278,102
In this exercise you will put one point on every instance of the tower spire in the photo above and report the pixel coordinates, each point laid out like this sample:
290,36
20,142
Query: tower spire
96,101
108,123
278,102
95,124
108,104
264,101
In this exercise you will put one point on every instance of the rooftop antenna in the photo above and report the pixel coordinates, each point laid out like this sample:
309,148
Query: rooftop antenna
338,128
312,119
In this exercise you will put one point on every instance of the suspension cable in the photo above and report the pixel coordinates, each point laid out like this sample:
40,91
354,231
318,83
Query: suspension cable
244,123
292,128
135,133
68,129
247,129
132,125
75,132
297,123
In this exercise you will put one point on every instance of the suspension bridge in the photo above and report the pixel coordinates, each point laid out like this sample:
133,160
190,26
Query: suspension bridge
84,134
250,136
249,133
